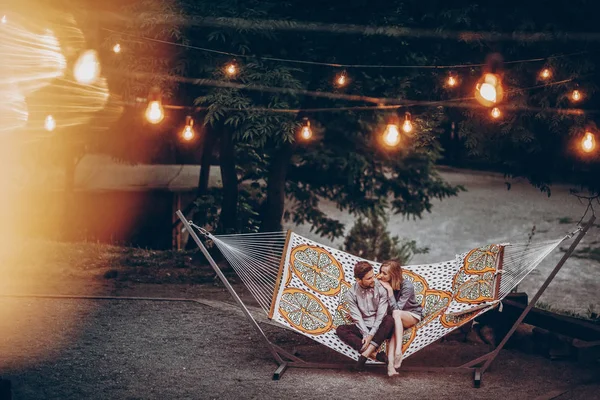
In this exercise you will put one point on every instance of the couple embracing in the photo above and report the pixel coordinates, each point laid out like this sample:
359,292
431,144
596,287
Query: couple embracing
381,308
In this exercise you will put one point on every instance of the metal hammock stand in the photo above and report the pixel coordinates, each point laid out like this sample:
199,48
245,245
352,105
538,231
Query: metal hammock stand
285,359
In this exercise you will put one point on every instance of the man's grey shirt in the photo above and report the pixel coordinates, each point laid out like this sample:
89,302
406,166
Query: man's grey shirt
367,307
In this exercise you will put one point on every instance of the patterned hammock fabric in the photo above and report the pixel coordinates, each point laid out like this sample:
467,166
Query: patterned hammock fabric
313,279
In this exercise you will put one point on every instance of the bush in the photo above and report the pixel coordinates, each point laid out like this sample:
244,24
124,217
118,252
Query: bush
370,239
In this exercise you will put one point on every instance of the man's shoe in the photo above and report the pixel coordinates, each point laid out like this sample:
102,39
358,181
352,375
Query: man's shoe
360,365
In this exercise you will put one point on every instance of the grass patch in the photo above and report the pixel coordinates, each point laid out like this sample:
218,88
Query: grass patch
589,252
591,314
45,259
565,220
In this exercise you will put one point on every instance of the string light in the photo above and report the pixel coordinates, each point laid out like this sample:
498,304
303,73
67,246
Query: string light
87,67
546,73
452,81
588,144
306,132
576,95
155,112
391,136
117,48
49,123
407,126
489,90
188,132
341,79
231,69
496,113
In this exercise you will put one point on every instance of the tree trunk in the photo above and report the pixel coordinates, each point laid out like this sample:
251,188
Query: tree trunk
228,217
207,148
274,204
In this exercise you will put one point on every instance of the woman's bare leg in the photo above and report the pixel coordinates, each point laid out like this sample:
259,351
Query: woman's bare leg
398,333
391,349
404,320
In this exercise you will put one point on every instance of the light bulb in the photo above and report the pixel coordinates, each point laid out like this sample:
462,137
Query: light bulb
488,92
452,81
546,73
188,133
391,136
3,20
231,69
306,132
588,144
49,123
155,113
87,68
407,126
341,79
117,48
576,95
496,112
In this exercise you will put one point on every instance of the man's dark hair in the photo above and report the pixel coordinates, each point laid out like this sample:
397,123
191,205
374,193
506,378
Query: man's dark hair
361,269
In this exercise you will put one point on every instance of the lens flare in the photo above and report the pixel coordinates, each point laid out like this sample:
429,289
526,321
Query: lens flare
87,68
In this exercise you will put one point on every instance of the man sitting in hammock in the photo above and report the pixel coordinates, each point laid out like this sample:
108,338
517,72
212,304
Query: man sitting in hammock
368,305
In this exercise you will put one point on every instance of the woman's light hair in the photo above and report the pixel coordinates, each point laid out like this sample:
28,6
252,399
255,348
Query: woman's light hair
395,273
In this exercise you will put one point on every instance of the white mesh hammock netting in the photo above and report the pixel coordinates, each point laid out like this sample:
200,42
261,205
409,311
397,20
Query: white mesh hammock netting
301,284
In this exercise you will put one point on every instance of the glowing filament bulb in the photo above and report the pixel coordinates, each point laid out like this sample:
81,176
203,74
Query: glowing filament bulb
391,136
496,113
49,123
87,68
231,69
306,132
117,48
576,95
407,126
488,92
588,143
155,113
3,20
546,73
341,79
188,132
452,81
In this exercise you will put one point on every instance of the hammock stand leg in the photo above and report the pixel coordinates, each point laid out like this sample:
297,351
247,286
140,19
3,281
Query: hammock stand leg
490,357
275,350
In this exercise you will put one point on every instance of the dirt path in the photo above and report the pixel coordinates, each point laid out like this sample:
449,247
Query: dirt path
90,349
488,213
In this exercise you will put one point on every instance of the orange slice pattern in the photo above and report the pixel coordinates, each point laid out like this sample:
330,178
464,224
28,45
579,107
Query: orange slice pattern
452,321
318,269
482,260
476,290
304,312
436,302
341,315
419,284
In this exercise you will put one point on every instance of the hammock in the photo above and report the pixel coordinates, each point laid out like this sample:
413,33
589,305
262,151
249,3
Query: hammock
301,284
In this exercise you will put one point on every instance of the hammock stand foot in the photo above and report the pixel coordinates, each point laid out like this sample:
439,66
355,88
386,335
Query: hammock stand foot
279,371
477,378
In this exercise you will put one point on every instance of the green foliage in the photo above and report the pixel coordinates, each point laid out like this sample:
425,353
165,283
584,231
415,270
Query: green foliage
370,239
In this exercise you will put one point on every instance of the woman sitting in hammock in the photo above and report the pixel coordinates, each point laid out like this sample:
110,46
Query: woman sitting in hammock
404,308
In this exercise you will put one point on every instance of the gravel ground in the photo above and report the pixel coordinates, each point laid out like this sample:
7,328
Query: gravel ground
90,349
488,213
